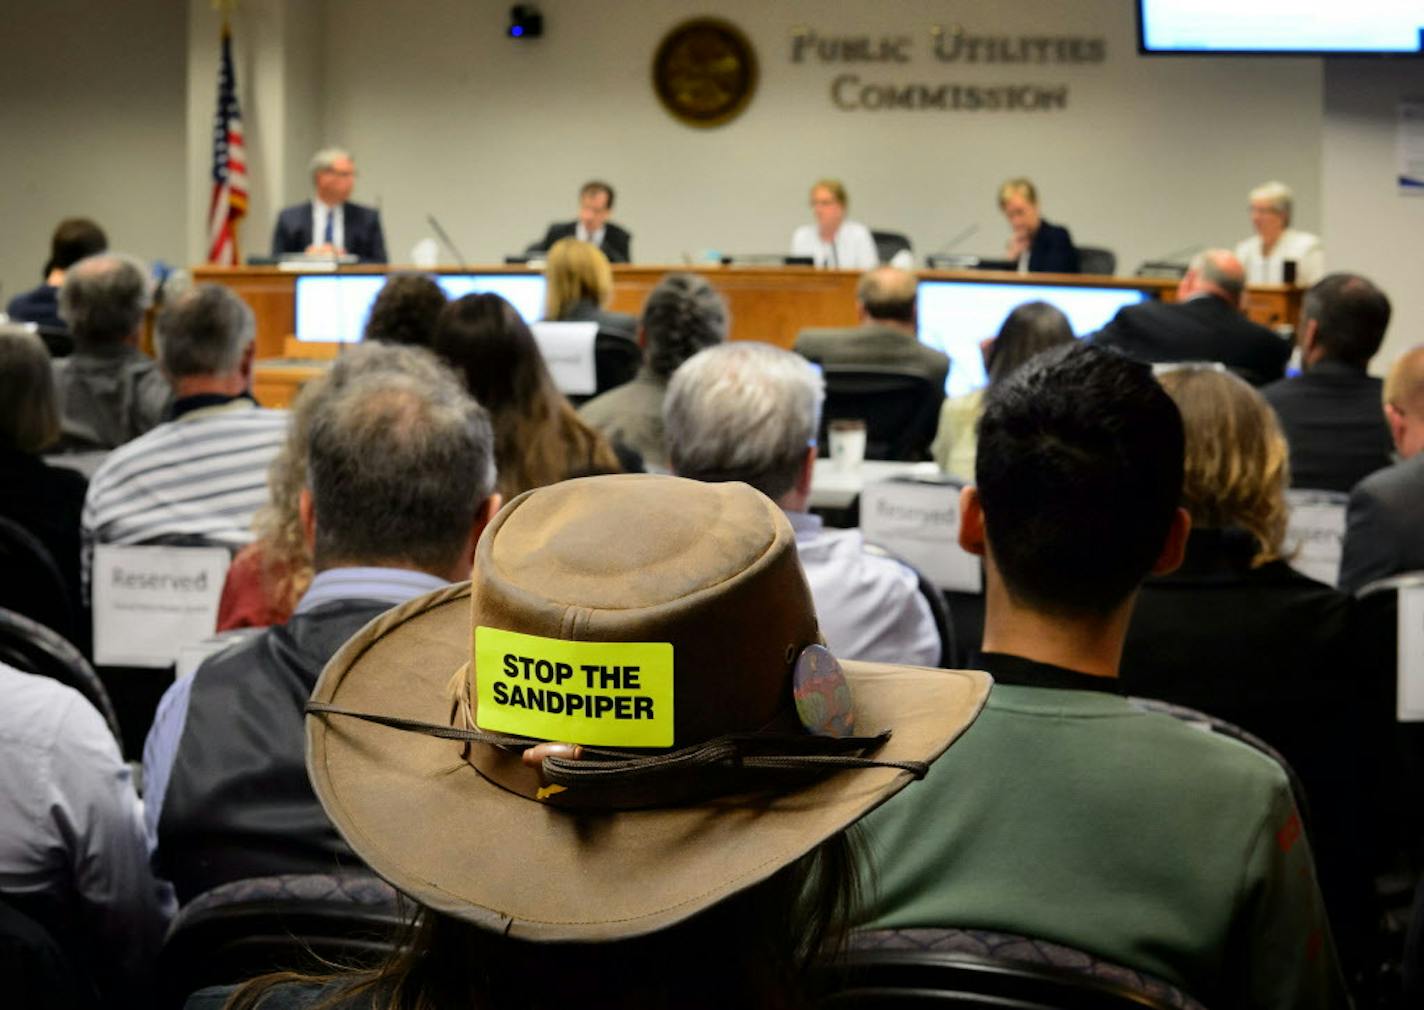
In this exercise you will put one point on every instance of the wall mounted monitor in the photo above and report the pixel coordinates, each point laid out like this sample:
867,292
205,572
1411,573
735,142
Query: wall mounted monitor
333,308
956,316
1281,27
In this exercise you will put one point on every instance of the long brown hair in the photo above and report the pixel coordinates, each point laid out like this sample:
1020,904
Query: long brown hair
1237,463
538,437
765,940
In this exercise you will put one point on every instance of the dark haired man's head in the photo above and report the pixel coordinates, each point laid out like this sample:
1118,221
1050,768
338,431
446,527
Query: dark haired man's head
595,205
74,239
1343,318
405,311
1079,477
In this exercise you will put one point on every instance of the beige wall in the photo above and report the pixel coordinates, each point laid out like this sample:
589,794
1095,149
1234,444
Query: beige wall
446,115
91,111
1370,228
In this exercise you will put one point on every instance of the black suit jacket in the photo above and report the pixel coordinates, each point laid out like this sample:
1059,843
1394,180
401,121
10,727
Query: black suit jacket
362,227
1383,534
1205,328
617,243
1053,251
1334,423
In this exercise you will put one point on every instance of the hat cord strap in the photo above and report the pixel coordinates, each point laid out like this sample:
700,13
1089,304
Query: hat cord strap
744,750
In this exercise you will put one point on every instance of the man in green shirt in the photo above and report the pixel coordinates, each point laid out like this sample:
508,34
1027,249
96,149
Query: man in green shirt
1066,814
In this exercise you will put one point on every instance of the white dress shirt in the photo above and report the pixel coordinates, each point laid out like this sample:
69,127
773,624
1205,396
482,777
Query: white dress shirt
1301,246
853,248
869,607
71,826
320,212
592,238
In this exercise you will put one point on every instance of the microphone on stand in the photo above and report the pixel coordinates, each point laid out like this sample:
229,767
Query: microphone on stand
449,243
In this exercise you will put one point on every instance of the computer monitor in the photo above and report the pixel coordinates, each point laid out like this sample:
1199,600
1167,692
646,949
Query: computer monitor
956,316
333,308
1281,27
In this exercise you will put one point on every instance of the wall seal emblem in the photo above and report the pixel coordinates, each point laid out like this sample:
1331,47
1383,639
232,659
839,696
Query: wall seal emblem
705,72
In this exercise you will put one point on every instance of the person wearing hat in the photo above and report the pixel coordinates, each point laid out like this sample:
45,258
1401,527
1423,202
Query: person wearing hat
400,483
750,412
1069,814
613,769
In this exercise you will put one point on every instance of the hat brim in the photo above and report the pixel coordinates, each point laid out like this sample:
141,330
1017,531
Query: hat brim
428,822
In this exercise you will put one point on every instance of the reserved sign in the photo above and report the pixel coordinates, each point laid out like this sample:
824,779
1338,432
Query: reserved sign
152,602
920,523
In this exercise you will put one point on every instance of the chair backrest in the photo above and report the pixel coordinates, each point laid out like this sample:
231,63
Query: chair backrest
616,360
962,968
900,409
1097,260
1315,532
934,599
31,583
30,646
294,921
888,243
38,973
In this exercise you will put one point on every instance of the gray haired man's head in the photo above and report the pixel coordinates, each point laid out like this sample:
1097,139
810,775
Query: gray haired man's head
1218,269
400,465
682,315
327,158
743,411
204,332
103,299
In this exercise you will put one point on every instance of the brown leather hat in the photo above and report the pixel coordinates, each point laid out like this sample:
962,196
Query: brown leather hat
665,625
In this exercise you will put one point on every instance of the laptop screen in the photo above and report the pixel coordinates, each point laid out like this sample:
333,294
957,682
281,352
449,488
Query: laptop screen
333,308
956,316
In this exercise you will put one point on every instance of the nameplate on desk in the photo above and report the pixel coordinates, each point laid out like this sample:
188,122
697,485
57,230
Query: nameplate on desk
1411,654
920,523
1315,530
568,350
152,602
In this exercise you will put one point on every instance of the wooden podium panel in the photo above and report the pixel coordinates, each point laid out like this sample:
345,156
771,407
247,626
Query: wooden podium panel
770,304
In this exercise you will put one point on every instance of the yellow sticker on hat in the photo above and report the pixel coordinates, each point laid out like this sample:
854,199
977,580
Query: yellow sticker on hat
615,694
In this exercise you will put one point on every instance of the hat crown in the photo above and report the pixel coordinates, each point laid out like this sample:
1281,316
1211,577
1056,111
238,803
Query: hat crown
575,544
709,568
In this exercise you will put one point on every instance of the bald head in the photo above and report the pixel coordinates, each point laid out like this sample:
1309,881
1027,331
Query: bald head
1404,402
1215,272
887,294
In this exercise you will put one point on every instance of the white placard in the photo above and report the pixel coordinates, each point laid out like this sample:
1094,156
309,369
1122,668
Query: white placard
151,602
1316,532
568,351
920,523
1411,654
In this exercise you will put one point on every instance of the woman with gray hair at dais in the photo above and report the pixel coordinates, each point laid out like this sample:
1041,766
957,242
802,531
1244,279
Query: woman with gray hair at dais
1266,254
682,315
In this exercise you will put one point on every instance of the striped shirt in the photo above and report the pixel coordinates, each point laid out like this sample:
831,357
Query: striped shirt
203,475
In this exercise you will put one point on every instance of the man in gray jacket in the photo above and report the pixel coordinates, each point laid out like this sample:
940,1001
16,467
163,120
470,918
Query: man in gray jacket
1383,534
886,336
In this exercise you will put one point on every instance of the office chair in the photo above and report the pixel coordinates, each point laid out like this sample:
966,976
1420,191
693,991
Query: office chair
900,409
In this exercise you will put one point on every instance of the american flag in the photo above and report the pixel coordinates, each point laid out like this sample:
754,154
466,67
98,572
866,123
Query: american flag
229,204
